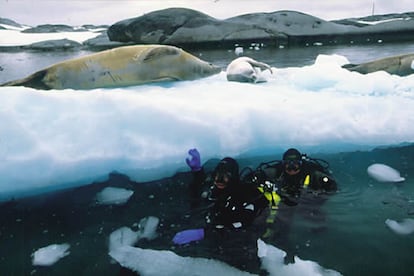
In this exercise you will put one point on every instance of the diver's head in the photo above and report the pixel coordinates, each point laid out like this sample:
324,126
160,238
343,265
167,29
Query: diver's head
226,173
292,161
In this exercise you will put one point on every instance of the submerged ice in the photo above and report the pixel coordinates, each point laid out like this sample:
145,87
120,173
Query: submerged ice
49,255
405,227
55,139
384,173
113,195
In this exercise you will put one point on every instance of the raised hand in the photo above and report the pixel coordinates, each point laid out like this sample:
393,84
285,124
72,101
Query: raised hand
195,162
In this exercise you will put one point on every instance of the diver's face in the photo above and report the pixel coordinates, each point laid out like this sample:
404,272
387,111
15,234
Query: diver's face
221,181
292,167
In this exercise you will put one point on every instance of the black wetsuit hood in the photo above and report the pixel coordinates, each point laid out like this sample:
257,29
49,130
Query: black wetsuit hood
230,167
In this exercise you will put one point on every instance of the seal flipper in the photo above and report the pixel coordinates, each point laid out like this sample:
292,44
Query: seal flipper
263,66
35,80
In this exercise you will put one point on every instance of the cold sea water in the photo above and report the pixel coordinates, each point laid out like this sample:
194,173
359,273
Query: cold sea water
347,233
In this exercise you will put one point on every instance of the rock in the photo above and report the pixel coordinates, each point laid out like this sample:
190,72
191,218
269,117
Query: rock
9,22
49,28
59,44
179,26
102,42
185,27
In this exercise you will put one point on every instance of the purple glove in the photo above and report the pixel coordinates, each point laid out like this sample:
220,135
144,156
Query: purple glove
188,236
195,162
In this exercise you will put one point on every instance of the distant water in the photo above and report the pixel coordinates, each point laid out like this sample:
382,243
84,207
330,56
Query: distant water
15,65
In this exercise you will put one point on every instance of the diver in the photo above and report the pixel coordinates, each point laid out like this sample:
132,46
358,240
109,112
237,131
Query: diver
235,205
294,175
295,181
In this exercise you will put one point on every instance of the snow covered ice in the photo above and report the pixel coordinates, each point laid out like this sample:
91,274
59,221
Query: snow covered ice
55,139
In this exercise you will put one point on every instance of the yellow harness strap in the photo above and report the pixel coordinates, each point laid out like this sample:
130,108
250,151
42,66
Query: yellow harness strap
306,182
274,200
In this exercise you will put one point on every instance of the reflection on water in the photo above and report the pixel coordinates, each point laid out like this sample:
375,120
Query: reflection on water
17,65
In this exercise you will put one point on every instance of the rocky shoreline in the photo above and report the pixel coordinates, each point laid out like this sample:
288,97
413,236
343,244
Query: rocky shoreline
192,29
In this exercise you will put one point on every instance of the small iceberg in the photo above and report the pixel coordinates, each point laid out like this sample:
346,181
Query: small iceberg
403,228
112,195
384,173
165,262
47,256
272,259
125,236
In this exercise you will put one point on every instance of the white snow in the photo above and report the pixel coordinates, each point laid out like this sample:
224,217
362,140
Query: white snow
49,255
54,139
382,21
16,38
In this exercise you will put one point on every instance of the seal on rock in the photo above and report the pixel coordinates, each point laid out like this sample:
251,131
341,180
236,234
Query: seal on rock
402,65
245,69
120,67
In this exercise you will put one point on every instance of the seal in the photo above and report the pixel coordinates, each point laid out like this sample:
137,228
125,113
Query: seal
120,67
245,69
402,65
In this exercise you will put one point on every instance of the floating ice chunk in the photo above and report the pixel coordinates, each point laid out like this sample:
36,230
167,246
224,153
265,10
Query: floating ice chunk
112,195
238,51
164,262
403,228
148,227
272,260
125,236
121,237
384,173
50,254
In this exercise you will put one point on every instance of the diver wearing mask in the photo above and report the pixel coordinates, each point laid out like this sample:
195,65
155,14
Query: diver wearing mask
235,204
297,173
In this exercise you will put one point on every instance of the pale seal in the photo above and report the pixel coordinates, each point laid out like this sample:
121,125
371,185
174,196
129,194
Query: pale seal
398,65
245,69
119,67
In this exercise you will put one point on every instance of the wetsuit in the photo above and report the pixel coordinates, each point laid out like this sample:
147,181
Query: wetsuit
236,206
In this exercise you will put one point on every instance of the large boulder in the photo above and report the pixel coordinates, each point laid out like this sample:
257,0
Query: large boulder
102,42
179,26
53,45
50,28
186,27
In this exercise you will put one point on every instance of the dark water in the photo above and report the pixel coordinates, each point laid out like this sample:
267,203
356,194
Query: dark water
15,65
346,233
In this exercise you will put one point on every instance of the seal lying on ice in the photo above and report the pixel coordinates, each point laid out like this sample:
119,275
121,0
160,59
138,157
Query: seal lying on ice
402,65
245,69
119,67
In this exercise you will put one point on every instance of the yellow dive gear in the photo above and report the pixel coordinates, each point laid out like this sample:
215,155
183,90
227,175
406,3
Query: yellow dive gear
306,182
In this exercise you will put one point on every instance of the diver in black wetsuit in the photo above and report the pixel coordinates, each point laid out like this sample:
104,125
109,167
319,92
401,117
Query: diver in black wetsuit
235,204
298,184
295,175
